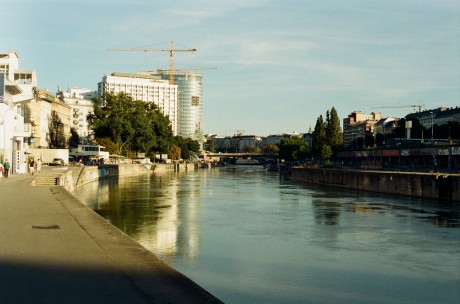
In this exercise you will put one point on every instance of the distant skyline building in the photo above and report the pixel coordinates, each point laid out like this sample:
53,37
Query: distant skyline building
357,124
190,102
439,116
146,87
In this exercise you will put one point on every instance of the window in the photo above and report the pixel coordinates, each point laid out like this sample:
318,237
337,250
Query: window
5,68
23,78
195,101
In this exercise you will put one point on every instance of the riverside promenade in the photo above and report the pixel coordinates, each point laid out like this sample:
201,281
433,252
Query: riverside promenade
53,249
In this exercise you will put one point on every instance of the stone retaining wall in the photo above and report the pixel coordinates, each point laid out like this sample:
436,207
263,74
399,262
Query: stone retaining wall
76,177
424,185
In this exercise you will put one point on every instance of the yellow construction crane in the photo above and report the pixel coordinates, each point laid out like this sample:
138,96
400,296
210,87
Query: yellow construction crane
171,51
420,106
191,69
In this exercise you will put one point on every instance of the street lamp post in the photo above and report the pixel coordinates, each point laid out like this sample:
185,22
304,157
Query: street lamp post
432,127
432,142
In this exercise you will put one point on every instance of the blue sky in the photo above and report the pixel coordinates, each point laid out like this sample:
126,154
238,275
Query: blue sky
280,64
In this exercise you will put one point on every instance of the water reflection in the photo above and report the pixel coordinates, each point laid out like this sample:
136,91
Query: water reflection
253,237
148,210
326,212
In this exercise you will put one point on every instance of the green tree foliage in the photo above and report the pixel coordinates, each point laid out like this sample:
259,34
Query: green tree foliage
271,148
130,124
327,133
109,145
319,135
187,146
326,152
333,130
251,149
293,149
74,139
175,153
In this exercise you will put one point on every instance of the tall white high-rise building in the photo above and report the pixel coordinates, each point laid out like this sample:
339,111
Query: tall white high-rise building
190,103
145,87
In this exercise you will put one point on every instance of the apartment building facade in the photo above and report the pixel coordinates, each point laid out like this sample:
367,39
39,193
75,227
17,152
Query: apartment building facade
14,132
79,100
357,124
439,116
145,87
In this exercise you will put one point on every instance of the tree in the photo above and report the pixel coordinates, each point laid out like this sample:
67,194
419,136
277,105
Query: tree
175,152
326,152
188,146
74,139
293,148
319,136
109,145
271,148
130,124
109,119
327,133
333,130
251,149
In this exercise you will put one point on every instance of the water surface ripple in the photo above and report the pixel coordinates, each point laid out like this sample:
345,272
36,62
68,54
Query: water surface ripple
249,236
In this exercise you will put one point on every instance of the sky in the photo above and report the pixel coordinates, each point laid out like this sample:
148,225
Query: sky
272,67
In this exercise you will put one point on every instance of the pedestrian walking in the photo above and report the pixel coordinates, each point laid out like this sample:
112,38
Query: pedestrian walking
6,168
1,171
39,166
31,166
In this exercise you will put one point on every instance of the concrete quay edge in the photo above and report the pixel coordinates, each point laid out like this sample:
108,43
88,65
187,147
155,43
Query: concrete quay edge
54,249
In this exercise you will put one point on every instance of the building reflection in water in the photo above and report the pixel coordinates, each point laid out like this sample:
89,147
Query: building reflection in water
157,210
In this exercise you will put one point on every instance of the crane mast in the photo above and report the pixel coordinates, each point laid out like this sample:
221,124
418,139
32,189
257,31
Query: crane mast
171,51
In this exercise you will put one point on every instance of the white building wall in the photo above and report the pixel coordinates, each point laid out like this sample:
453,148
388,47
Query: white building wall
190,103
26,80
147,89
13,130
9,62
79,99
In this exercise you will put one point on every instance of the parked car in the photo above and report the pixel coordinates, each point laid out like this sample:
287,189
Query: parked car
57,162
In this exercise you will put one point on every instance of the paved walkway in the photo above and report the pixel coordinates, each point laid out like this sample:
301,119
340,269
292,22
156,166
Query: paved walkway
53,249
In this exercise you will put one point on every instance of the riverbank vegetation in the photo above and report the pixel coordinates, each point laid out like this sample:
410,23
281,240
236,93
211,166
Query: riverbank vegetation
326,140
126,127
327,135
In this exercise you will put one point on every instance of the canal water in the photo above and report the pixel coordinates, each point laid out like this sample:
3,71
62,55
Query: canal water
251,236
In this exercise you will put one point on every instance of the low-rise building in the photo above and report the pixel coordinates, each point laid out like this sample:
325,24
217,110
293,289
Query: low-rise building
79,100
439,116
357,125
14,131
50,120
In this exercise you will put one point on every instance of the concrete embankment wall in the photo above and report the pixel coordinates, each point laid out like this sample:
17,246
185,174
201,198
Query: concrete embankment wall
424,185
76,177
159,168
